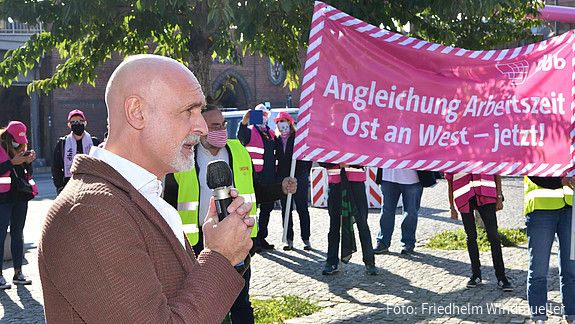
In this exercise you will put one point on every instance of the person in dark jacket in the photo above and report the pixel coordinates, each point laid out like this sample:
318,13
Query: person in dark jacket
79,141
259,140
285,136
15,167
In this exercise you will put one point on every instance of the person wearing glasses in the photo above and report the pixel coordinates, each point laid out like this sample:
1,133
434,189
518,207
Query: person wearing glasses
79,141
188,191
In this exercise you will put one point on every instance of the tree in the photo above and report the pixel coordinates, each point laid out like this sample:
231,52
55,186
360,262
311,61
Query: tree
87,33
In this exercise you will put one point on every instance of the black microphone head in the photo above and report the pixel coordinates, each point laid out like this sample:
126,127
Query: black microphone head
218,174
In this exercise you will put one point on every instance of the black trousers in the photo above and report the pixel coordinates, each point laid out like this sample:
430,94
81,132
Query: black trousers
489,217
301,204
334,210
242,311
264,219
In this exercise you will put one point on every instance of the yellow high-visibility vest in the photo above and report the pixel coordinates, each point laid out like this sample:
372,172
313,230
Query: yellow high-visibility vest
539,198
189,190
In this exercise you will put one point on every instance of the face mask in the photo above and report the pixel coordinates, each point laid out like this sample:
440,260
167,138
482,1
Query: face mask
217,138
78,129
15,145
284,128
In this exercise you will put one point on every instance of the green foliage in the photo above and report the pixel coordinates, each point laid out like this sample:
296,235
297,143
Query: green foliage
456,240
278,310
86,33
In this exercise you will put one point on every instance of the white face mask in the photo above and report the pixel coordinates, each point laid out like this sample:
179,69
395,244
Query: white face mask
284,128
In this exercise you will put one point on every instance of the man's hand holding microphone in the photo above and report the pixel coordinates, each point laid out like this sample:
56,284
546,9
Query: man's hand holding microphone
228,225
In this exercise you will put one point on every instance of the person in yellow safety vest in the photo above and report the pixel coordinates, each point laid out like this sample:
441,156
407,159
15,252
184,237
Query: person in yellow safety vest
189,193
547,207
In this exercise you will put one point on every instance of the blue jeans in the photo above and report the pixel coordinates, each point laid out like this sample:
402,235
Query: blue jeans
542,226
411,194
334,210
13,214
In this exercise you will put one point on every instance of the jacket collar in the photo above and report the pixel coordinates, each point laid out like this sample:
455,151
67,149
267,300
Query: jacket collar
88,165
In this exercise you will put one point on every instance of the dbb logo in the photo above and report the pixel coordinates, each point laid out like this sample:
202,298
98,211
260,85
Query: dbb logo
550,61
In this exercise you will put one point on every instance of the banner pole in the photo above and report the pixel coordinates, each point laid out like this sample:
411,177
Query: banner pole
570,172
572,230
288,203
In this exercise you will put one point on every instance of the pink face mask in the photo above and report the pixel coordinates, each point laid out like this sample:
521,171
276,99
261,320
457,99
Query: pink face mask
217,138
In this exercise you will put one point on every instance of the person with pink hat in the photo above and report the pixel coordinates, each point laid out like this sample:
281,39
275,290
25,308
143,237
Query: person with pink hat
284,153
79,141
16,188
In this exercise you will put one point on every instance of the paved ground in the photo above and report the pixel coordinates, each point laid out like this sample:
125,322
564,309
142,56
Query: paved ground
426,287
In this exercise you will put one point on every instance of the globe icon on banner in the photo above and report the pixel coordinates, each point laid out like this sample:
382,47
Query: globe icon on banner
515,71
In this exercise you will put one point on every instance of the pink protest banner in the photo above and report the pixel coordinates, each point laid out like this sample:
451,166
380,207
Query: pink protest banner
376,98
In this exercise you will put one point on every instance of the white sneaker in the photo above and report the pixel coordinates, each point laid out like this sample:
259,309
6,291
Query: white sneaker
4,284
20,279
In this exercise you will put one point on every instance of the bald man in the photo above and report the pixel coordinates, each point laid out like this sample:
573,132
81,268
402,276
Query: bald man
112,250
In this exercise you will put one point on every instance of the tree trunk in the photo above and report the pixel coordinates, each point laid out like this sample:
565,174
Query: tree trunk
201,47
200,63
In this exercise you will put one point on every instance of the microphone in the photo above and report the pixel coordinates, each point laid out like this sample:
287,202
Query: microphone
219,179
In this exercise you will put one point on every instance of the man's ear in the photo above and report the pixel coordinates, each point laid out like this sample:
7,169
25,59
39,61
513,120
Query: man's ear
133,110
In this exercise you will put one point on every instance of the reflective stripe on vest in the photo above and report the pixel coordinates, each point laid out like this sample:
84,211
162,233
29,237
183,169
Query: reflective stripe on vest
353,174
253,149
539,198
466,186
32,183
5,178
256,149
190,205
189,190
192,232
